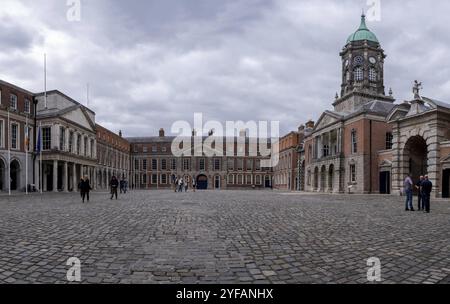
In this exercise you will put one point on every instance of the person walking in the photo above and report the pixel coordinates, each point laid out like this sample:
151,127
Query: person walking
180,185
408,186
427,187
420,204
194,185
176,184
85,188
114,184
125,186
122,186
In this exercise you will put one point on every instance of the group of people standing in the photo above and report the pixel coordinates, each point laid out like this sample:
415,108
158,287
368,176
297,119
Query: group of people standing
181,185
424,187
85,187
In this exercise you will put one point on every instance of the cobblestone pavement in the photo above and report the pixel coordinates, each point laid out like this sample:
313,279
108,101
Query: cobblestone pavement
221,237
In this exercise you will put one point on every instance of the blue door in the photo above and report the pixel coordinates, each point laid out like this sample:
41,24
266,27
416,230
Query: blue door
202,182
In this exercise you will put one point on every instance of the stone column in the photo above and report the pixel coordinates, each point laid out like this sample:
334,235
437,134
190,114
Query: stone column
74,177
95,178
65,177
434,168
44,177
37,176
55,176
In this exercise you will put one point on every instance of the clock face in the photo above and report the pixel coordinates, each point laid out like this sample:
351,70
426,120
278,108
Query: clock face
372,60
359,60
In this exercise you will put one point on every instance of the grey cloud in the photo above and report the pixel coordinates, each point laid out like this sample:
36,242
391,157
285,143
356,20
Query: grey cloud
150,63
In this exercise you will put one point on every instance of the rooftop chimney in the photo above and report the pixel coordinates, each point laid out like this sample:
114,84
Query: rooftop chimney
120,133
161,132
310,124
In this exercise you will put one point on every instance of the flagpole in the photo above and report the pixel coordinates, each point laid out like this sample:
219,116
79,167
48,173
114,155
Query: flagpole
45,80
26,155
9,154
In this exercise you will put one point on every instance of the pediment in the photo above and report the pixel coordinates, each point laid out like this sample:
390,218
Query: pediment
398,113
327,119
79,117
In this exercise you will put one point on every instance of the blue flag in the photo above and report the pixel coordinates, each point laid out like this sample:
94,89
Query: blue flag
38,143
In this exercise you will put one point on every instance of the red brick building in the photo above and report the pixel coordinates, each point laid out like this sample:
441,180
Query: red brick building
113,156
19,103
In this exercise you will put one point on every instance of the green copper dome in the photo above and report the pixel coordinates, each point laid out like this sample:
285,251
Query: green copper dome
363,33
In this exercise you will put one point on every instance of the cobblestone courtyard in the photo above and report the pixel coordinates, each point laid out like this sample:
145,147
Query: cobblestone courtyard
222,237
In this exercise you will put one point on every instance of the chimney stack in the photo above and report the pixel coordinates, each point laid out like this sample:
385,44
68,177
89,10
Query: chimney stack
120,133
161,132
310,124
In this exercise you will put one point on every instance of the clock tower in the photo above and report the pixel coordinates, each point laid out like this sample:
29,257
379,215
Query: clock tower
362,71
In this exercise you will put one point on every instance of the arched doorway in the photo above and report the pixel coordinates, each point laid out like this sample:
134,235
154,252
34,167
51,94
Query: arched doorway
330,178
217,182
2,175
316,179
446,183
202,182
15,175
267,182
323,178
416,155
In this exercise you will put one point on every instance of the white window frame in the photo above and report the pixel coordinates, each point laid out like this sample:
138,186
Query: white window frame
373,74
17,148
353,177
15,101
359,74
27,106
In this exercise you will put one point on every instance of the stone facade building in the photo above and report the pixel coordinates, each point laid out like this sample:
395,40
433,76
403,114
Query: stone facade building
368,144
421,144
155,167
19,103
68,144
113,157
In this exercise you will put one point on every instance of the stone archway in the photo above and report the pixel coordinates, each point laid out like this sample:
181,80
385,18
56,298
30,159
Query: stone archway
331,178
202,182
15,175
323,179
415,156
3,186
316,179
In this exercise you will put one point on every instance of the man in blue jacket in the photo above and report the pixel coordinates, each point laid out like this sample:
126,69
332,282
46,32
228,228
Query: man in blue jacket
427,188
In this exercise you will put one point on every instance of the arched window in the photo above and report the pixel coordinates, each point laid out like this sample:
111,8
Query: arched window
373,74
358,73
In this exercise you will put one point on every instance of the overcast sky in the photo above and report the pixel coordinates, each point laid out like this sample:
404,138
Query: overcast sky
152,62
